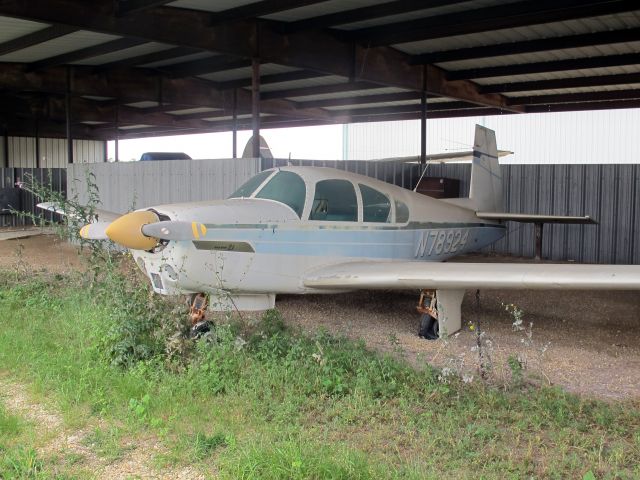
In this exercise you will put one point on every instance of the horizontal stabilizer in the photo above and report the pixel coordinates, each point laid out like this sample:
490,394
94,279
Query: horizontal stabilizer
533,218
418,275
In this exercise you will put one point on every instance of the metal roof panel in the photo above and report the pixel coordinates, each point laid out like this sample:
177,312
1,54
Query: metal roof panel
67,43
143,49
12,28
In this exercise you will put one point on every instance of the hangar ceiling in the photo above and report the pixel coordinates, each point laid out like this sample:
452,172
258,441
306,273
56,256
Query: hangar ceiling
132,68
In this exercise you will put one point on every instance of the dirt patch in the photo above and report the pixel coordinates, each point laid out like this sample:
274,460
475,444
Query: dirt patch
590,339
58,442
37,252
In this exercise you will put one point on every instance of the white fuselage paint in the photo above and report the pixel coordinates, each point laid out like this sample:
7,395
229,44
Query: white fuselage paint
259,246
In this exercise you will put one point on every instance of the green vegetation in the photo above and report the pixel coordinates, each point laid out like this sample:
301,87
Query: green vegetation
258,400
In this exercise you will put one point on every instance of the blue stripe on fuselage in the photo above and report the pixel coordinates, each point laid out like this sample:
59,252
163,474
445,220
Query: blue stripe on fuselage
385,243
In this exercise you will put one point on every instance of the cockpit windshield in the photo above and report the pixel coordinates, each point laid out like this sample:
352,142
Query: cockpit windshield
247,189
288,188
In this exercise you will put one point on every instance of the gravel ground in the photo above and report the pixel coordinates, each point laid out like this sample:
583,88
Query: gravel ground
591,337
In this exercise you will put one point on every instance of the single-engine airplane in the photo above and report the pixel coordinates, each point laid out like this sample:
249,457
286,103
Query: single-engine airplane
300,230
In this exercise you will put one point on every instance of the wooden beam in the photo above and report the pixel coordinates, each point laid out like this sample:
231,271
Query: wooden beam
88,52
546,67
35,38
530,46
318,51
512,15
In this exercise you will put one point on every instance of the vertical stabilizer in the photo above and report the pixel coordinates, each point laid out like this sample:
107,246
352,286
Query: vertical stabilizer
265,151
485,192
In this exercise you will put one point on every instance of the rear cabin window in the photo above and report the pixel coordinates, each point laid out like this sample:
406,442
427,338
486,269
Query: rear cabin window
334,201
402,212
250,185
376,206
287,188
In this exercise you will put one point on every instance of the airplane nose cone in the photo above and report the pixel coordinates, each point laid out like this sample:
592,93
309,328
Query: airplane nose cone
127,230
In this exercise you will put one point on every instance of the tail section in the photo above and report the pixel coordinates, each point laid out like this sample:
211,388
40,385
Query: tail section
485,192
265,151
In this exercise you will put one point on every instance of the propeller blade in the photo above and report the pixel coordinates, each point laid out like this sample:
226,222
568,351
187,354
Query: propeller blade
175,230
94,231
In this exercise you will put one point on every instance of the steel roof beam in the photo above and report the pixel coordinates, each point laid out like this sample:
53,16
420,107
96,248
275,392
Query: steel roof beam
35,38
361,100
270,79
364,13
88,52
134,85
322,90
206,65
526,13
546,67
318,51
258,9
171,53
582,106
530,46
576,97
577,82
125,7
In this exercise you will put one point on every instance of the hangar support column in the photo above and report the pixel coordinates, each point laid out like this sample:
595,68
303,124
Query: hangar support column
255,106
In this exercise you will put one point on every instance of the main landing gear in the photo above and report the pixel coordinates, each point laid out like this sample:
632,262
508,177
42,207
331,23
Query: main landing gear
441,313
427,307
199,324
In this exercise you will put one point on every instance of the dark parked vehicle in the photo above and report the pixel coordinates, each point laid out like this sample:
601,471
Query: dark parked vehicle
164,156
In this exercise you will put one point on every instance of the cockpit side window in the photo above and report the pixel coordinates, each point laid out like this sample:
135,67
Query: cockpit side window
376,206
334,201
288,188
250,185
402,212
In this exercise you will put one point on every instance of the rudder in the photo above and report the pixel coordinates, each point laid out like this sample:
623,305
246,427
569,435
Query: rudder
485,191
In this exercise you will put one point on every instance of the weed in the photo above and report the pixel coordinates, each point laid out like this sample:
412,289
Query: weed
204,445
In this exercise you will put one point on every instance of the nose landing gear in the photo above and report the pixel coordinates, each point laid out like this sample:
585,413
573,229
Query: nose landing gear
197,312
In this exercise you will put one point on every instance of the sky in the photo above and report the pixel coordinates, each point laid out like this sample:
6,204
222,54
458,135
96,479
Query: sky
606,136
314,143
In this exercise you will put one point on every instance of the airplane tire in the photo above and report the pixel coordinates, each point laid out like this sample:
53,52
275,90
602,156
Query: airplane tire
429,327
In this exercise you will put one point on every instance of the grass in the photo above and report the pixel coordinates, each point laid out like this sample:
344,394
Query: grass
265,402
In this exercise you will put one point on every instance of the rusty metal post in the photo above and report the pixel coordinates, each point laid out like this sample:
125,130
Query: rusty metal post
68,117
255,106
538,234
423,119
235,123
37,134
117,153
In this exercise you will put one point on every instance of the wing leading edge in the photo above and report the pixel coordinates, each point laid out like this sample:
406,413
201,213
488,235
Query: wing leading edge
419,275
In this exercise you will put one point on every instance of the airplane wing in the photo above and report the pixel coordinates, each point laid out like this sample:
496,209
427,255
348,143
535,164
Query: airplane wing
103,215
535,218
433,275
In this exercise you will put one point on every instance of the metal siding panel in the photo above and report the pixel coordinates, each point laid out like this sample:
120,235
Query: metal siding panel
623,226
634,246
607,214
575,196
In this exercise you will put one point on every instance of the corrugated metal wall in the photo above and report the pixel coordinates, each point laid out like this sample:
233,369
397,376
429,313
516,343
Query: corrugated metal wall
127,185
55,178
53,152
608,136
608,193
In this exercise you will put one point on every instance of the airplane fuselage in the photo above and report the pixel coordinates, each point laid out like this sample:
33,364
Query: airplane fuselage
258,246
